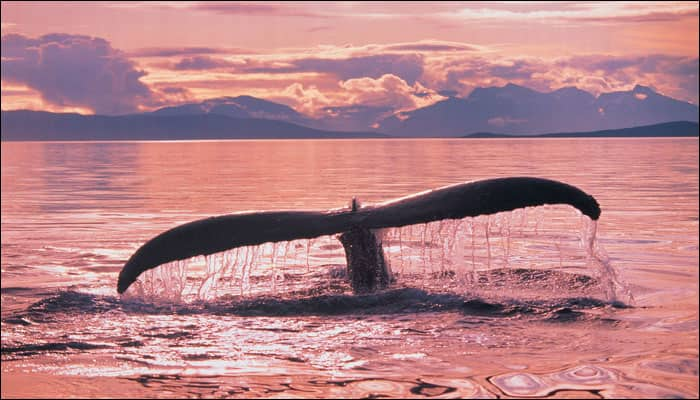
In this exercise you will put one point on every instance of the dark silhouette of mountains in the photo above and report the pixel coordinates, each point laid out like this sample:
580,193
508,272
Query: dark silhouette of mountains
514,109
511,109
45,126
343,118
667,129
238,107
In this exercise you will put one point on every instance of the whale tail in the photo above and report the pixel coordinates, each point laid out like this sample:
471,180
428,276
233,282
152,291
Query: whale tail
216,234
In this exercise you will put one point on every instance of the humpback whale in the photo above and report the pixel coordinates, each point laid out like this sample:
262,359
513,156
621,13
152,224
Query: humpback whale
366,267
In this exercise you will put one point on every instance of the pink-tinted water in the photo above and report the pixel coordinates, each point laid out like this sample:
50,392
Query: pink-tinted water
514,316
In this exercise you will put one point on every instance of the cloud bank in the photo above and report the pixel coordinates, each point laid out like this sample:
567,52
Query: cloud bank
80,71
76,70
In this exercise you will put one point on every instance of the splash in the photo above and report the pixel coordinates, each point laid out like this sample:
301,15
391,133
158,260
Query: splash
506,253
598,259
495,253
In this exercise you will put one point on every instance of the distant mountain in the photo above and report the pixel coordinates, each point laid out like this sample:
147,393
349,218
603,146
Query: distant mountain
340,118
350,118
667,129
642,106
45,126
516,109
511,109
238,107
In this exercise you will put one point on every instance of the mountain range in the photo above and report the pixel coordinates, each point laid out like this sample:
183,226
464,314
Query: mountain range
238,107
516,109
510,109
46,126
666,129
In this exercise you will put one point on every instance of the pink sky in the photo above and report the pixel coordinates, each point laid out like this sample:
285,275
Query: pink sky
112,57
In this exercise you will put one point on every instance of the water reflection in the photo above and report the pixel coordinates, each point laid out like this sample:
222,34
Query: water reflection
72,213
80,176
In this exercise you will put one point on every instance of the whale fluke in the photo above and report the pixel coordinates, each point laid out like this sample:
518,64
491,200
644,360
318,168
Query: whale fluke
216,234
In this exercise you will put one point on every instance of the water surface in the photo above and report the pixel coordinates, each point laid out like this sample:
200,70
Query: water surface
502,306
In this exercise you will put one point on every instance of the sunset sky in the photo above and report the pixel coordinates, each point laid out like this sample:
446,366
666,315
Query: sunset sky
117,58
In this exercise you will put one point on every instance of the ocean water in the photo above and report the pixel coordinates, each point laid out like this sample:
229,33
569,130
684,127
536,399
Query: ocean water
538,302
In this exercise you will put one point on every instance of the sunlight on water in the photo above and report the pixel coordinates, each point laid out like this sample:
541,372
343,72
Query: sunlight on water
531,303
470,255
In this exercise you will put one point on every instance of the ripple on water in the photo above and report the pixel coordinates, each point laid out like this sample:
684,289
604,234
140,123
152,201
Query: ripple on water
521,384
379,388
589,378
650,391
463,388
684,366
584,375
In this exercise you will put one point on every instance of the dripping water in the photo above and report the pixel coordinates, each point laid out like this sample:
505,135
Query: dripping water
484,254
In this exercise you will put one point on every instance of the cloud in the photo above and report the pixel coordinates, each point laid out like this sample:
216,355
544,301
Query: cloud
77,71
201,62
15,92
174,94
654,63
405,60
358,96
659,16
257,9
173,90
407,67
386,91
576,13
463,73
674,76
431,46
81,71
355,117
7,25
448,93
182,51
439,12
307,100
319,28
358,103
500,122
515,70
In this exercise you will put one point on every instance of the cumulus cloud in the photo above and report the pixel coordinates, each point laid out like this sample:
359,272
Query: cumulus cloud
674,76
383,95
309,100
75,70
86,72
387,90
457,68
461,74
408,67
